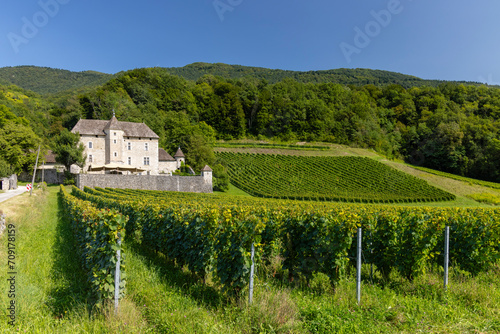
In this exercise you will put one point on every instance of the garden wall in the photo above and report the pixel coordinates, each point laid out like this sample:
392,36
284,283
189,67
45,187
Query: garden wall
198,184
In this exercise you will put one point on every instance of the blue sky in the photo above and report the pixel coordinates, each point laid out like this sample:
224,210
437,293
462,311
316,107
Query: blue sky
449,40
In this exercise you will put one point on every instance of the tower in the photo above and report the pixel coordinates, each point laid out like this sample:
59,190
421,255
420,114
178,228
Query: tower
114,141
179,157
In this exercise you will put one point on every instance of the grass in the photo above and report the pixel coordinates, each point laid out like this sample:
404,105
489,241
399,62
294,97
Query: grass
486,198
53,295
233,190
50,290
460,178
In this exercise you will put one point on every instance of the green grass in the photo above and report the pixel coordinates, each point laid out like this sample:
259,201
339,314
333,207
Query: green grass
486,198
50,289
233,191
273,146
53,295
493,185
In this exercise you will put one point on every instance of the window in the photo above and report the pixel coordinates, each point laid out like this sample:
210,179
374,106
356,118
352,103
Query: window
129,146
115,154
146,147
90,144
114,133
129,160
114,141
146,161
90,157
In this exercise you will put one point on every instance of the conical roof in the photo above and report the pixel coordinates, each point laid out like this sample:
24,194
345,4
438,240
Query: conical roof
179,154
206,169
112,124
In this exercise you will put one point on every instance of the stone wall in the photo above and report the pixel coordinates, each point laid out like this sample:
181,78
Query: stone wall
198,184
50,176
8,183
2,222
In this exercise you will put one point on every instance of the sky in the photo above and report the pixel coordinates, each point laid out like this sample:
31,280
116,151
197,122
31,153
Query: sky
445,39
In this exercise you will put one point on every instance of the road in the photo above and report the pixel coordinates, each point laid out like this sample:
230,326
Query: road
11,193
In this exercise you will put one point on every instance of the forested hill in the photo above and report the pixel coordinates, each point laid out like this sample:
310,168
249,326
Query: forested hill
451,127
46,80
343,76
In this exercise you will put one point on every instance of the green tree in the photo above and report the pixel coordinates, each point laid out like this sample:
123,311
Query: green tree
198,152
5,168
221,178
18,146
68,149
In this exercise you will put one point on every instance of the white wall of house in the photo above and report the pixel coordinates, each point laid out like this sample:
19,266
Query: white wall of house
95,150
119,149
167,167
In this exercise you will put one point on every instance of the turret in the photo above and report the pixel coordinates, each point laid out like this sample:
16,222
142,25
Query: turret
179,157
206,173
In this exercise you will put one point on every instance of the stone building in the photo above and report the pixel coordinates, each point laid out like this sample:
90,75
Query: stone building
8,183
124,147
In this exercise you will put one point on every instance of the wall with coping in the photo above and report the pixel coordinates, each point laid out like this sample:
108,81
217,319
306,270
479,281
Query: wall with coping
199,184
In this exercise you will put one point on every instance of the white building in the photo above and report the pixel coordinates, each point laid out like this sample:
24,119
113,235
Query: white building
124,147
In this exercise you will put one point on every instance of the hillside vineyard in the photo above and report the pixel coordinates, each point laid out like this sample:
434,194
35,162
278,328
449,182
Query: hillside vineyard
339,179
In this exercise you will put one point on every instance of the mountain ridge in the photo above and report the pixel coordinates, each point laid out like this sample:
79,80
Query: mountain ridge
47,80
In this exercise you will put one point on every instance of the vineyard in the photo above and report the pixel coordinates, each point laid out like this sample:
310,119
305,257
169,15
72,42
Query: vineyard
97,232
339,179
214,234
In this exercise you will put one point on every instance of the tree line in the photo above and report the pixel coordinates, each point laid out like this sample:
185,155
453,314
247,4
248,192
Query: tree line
450,127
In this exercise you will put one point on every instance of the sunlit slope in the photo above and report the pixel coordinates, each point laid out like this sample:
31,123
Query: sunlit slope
346,179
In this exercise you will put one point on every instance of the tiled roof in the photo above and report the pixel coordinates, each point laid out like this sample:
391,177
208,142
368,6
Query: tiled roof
50,158
90,127
206,169
164,156
96,128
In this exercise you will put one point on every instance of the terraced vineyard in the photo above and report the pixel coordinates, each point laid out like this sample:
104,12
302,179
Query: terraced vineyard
343,179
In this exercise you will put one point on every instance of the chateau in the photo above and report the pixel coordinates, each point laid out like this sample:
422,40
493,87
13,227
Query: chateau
124,148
